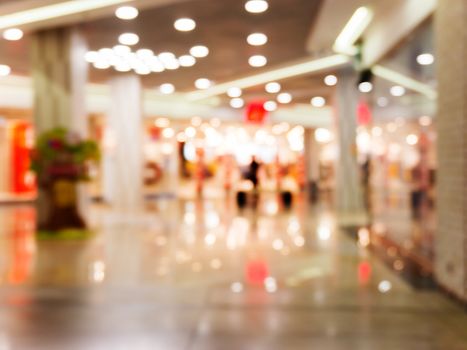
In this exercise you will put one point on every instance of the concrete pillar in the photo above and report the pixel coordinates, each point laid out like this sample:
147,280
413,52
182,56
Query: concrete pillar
59,79
59,74
349,194
123,155
451,236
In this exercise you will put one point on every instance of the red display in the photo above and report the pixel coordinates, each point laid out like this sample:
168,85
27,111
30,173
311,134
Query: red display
255,112
20,157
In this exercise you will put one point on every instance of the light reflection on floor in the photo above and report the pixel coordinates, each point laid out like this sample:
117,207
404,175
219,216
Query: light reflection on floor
202,274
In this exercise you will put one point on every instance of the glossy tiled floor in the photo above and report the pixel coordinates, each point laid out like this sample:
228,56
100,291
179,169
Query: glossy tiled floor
202,275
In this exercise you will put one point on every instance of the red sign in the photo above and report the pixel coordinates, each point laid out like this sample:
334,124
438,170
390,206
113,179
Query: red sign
363,114
255,112
20,158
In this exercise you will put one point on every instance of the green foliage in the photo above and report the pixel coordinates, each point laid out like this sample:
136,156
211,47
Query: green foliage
60,148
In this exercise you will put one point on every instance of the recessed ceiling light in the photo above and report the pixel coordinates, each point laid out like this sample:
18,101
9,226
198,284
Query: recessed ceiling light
365,87
256,6
199,51
330,80
171,65
121,50
203,83
122,67
187,61
270,106
127,12
237,102
101,64
167,89
257,61
144,54
128,39
185,24
234,92
4,70
397,90
284,97
155,65
142,70
257,39
318,101
91,56
425,59
13,34
273,87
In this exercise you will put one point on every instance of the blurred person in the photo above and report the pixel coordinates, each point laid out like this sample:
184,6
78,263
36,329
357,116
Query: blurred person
253,172
419,187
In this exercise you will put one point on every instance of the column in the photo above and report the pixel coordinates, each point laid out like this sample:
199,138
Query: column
59,79
59,74
451,235
348,190
123,155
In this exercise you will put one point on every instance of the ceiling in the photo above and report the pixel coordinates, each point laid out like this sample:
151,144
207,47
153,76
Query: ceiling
222,26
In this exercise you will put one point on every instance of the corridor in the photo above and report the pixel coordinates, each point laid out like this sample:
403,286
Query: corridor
202,274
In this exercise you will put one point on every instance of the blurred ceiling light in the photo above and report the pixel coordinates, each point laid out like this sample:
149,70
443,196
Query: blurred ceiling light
91,56
199,51
412,139
365,87
257,39
126,12
353,30
425,59
425,120
257,61
256,6
144,53
234,92
166,57
122,67
236,102
185,24
330,80
318,101
100,64
293,70
284,97
187,61
273,87
203,83
323,135
171,64
155,65
44,13
4,70
167,89
404,81
270,106
13,34
142,70
121,50
397,90
128,39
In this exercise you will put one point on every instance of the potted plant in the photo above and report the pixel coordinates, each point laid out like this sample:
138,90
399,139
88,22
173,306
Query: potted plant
61,160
